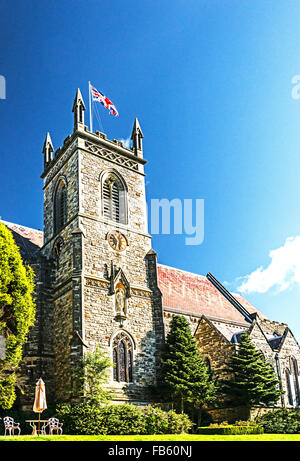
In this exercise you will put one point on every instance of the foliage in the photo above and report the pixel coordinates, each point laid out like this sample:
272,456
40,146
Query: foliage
159,421
178,423
80,418
17,312
245,423
185,377
123,419
88,376
281,421
120,419
237,423
253,379
231,429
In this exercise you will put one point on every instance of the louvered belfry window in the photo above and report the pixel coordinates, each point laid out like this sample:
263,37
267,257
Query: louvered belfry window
113,196
60,206
122,358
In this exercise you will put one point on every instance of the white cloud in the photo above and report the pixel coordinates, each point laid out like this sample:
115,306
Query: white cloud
126,142
282,272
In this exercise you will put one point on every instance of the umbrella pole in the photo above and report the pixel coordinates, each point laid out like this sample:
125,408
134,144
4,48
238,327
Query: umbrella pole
39,424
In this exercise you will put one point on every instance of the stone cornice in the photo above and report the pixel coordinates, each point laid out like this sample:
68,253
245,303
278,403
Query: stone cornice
99,140
178,310
141,291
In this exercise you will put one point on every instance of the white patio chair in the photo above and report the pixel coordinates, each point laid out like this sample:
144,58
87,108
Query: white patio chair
10,426
54,425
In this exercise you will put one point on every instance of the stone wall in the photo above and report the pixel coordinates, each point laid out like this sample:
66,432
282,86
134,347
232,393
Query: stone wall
233,414
213,346
38,358
82,303
169,314
61,301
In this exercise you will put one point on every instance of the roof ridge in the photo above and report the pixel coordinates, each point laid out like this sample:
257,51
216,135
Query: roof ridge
21,225
229,296
181,270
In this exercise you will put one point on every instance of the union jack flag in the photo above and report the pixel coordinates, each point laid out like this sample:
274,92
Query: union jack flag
98,96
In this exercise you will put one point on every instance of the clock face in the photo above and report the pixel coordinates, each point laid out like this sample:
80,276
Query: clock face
117,241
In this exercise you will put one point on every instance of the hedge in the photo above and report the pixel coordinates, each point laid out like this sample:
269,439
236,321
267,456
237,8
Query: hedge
123,419
231,430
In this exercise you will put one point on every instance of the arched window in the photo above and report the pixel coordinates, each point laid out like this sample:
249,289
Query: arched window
122,358
289,387
114,199
60,206
295,372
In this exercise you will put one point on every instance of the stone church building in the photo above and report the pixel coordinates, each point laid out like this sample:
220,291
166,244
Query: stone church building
98,280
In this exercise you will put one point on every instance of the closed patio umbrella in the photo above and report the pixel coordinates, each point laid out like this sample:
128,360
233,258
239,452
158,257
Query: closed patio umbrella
40,403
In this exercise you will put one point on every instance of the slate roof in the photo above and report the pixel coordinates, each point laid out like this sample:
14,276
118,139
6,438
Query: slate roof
275,341
231,331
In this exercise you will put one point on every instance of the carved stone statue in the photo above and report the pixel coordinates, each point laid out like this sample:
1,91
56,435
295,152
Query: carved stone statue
120,297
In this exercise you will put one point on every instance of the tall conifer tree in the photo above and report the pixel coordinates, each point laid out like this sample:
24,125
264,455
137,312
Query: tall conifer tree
253,380
184,375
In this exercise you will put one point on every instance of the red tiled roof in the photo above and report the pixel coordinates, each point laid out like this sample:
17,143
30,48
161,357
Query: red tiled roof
28,240
33,235
195,293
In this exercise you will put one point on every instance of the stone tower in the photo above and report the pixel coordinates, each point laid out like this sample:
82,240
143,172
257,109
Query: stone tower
103,284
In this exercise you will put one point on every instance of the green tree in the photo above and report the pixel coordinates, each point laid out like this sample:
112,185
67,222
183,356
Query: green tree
89,375
252,379
17,312
184,375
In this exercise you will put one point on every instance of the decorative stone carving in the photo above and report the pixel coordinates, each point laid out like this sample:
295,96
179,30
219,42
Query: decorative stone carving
118,276
112,156
120,300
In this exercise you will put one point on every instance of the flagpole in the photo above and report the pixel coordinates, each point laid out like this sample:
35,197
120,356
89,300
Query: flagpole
90,105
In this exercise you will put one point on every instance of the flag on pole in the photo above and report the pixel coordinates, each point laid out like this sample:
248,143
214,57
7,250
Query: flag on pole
98,96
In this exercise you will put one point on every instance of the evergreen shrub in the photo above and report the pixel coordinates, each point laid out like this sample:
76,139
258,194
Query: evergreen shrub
281,421
123,419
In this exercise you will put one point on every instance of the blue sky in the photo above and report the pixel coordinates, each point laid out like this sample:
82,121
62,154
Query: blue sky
211,84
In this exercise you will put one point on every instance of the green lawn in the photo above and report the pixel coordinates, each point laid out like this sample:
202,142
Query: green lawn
156,438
